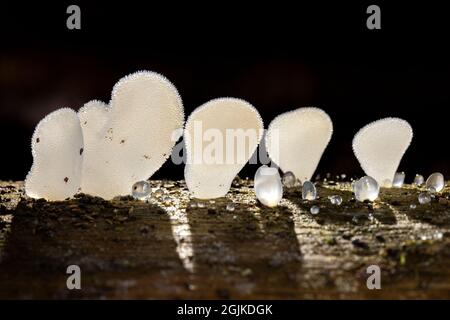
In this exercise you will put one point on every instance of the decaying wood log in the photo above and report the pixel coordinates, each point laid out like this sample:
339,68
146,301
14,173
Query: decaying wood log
177,247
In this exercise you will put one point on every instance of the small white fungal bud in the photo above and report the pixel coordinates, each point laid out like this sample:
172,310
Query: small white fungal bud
129,139
297,139
57,149
366,188
268,186
220,137
379,147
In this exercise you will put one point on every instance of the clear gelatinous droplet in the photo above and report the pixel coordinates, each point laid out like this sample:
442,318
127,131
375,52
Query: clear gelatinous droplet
158,193
230,207
268,186
141,190
201,204
418,180
366,188
424,198
289,179
431,190
386,183
412,206
309,191
335,199
436,180
399,179
314,210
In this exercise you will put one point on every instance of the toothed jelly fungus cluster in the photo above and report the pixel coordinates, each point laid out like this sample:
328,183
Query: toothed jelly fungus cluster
105,148
379,147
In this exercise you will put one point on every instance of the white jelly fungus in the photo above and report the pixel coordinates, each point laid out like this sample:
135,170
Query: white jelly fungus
379,147
125,141
220,137
57,149
129,139
296,140
268,187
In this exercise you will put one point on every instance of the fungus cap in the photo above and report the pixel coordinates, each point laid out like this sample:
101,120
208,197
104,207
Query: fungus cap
57,149
129,139
212,166
296,140
380,146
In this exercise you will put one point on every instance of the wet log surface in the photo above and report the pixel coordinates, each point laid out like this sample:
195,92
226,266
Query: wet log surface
174,248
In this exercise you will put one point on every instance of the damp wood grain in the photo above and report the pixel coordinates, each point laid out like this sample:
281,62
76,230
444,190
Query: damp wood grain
173,248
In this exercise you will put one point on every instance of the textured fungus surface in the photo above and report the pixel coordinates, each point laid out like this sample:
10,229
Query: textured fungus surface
129,139
210,130
297,139
380,146
57,149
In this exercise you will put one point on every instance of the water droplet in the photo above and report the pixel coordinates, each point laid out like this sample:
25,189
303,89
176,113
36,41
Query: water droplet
309,191
366,188
418,180
158,193
436,180
335,199
230,207
412,206
424,198
387,183
289,179
236,181
314,210
141,190
200,204
268,187
431,190
355,219
343,176
193,204
399,179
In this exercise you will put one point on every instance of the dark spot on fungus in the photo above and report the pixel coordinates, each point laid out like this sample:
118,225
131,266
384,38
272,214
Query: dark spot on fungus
81,151
38,140
122,141
85,122
66,179
146,156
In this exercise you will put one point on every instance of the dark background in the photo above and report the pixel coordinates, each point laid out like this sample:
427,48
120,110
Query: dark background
278,56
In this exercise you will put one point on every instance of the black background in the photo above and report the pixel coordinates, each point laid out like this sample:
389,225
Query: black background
278,56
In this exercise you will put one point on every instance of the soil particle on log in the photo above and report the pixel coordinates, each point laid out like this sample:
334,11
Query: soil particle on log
173,246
